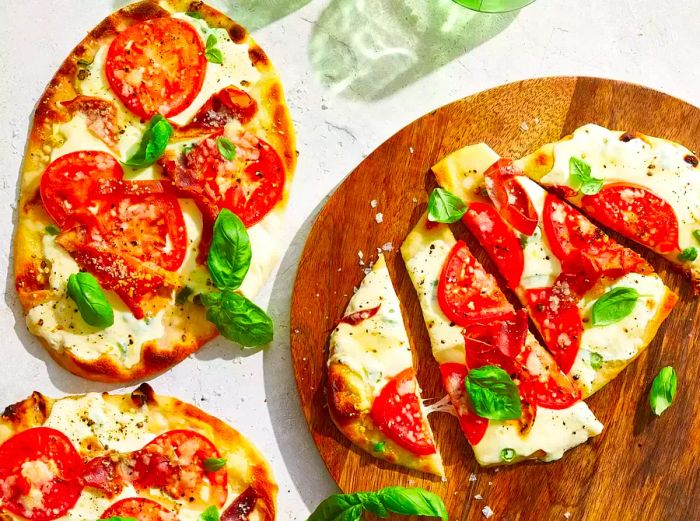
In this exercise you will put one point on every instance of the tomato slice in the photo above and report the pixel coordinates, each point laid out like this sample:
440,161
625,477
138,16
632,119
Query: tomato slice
509,197
39,474
359,316
473,426
139,508
242,506
498,239
174,463
557,316
249,185
556,391
104,473
156,66
498,342
570,234
226,105
637,213
397,413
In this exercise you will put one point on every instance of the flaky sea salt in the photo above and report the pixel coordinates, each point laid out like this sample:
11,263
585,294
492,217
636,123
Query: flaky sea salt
487,512
373,203
379,218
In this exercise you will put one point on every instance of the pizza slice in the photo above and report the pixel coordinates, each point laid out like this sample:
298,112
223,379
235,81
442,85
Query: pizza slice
645,188
596,303
373,395
473,328
131,456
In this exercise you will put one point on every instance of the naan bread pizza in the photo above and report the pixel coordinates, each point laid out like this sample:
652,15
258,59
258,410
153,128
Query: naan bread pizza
138,455
166,115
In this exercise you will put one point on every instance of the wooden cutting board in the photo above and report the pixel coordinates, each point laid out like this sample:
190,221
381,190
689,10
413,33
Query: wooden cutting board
641,467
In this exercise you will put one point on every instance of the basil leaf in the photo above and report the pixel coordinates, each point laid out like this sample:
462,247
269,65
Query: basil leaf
444,207
155,139
230,251
596,361
211,513
696,236
345,507
492,394
615,305
183,295
238,319
380,447
663,390
194,14
52,229
580,173
413,501
214,464
214,55
92,304
689,254
211,41
226,148
371,502
508,455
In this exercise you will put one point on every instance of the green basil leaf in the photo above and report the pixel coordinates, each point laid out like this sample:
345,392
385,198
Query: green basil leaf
238,319
580,173
689,254
615,305
444,207
696,236
230,251
211,41
92,304
183,295
211,513
214,55
226,148
338,507
52,229
155,139
214,464
412,501
380,447
663,390
372,503
492,394
194,14
596,361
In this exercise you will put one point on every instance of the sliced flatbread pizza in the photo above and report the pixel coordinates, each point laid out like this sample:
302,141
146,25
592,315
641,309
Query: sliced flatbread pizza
596,303
373,395
165,114
645,188
473,327
138,455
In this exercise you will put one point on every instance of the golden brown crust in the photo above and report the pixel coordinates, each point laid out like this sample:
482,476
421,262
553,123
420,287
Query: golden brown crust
188,328
171,414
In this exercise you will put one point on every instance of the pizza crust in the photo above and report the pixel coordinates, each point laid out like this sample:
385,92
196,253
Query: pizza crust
186,328
164,414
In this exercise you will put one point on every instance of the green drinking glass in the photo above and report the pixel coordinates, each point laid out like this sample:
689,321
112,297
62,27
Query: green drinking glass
494,6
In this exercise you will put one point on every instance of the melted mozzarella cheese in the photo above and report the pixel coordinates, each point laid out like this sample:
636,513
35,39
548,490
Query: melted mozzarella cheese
92,417
264,245
196,276
377,348
235,69
656,164
553,433
620,341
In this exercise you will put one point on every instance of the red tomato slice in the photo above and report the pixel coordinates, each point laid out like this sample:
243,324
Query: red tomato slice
250,185
359,316
139,508
498,239
570,234
637,213
228,104
174,462
104,473
498,342
397,413
156,66
242,506
555,392
473,426
70,183
39,474
509,197
556,314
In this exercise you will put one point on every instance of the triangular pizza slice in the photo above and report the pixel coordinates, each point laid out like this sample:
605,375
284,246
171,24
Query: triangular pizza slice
373,395
596,303
645,188
484,350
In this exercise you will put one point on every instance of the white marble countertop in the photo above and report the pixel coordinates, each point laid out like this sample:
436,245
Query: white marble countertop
355,71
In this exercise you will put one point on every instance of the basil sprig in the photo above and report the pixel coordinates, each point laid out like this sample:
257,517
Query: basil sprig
580,173
445,207
236,317
689,254
615,305
492,394
663,390
155,139
211,513
92,304
226,148
396,500
214,464
211,52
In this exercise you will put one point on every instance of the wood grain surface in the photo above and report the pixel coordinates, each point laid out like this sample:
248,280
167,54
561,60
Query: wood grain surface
641,467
